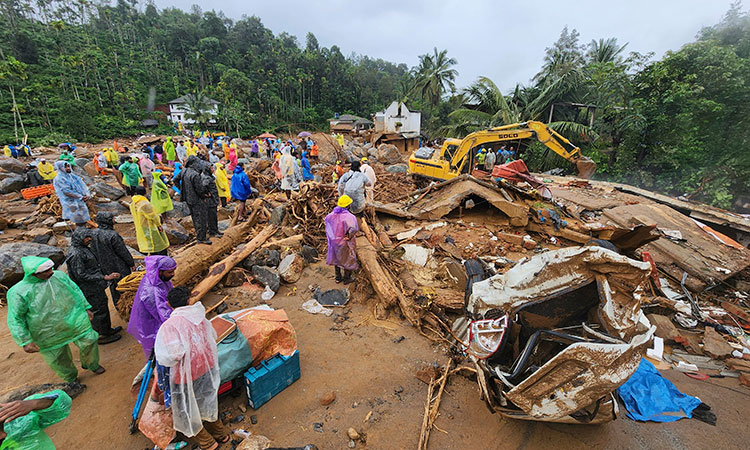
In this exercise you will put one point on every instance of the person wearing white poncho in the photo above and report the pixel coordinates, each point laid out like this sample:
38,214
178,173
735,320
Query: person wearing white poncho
186,344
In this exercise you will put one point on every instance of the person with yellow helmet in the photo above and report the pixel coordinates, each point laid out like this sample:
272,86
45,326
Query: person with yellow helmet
341,229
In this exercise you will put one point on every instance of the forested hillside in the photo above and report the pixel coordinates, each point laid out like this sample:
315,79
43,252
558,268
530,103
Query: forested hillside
83,70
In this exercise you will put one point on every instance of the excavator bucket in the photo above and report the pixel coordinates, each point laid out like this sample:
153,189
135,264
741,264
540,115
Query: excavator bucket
586,167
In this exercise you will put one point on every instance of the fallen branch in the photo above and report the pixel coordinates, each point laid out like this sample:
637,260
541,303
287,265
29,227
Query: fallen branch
432,409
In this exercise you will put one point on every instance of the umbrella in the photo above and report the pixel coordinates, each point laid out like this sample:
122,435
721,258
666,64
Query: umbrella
304,134
267,135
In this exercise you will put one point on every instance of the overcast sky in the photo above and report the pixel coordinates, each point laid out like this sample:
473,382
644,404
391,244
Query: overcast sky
504,40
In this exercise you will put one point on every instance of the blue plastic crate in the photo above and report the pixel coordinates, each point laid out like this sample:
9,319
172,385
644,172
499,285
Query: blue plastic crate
271,377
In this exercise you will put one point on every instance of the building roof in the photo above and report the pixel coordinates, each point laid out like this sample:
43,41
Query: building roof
362,121
189,97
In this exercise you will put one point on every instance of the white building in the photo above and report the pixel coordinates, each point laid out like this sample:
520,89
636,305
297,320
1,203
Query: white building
179,109
397,118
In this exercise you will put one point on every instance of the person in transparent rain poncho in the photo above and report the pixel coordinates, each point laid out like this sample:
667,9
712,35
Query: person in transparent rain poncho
72,193
186,345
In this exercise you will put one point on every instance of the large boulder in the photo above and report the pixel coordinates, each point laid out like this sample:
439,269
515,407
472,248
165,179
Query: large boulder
11,254
262,257
114,207
290,268
176,233
12,183
11,165
81,162
267,276
397,168
90,169
179,210
277,215
388,154
106,190
359,152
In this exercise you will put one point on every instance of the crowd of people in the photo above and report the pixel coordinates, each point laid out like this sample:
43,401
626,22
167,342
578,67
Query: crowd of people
48,309
486,159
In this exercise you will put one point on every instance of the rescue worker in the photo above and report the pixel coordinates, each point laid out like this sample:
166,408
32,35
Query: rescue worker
241,190
212,201
367,169
147,168
46,312
150,308
22,422
169,151
46,170
186,345
112,158
222,183
481,155
110,250
338,171
194,193
489,161
341,228
131,175
72,193
100,163
307,174
84,269
287,165
160,199
353,184
232,157
314,150
152,239
32,175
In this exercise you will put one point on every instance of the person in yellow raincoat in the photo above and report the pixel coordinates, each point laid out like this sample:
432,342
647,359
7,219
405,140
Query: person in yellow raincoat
160,199
222,183
152,240
112,158
46,170
7,152
192,149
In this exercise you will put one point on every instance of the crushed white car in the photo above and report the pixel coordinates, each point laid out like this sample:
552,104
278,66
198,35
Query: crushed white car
557,334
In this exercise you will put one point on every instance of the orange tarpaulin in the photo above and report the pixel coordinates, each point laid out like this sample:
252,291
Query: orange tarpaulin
268,333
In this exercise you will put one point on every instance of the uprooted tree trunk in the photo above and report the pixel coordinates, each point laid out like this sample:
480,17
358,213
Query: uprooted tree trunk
382,281
195,259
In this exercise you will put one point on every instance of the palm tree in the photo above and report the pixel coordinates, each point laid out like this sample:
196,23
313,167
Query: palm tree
487,107
198,105
434,76
605,50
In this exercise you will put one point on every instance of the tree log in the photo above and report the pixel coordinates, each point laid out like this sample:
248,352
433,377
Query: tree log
194,259
382,282
218,270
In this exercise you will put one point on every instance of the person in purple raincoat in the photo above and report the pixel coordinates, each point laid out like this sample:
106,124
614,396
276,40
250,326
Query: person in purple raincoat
341,227
150,306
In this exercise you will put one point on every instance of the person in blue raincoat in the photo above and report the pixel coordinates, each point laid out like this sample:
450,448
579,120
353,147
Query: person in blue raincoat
241,190
177,171
307,174
72,193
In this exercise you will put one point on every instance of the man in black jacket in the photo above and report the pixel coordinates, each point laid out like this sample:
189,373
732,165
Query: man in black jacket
194,192
212,202
85,271
111,252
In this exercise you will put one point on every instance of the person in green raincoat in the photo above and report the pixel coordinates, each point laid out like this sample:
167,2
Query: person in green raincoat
160,199
46,312
131,175
22,422
70,159
169,151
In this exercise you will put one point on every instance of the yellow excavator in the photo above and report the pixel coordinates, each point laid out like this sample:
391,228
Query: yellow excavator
456,156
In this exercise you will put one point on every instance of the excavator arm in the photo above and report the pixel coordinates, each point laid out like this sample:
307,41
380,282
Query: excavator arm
463,158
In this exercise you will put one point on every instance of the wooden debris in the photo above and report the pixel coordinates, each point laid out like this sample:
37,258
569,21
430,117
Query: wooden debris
218,270
432,407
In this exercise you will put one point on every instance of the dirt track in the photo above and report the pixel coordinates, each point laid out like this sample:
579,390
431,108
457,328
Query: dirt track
368,371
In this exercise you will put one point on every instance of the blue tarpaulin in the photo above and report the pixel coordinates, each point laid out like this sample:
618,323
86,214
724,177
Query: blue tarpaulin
648,396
